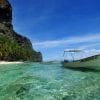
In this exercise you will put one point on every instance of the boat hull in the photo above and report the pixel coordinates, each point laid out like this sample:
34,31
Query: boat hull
90,64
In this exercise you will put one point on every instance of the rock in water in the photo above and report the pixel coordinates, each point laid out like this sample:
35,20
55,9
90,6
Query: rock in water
13,46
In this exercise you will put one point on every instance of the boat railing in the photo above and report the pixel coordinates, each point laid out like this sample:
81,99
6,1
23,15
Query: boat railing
72,54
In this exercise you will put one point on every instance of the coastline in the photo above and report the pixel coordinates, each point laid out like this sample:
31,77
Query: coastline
7,62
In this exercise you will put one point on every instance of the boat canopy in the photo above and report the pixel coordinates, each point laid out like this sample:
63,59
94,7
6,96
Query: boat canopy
73,50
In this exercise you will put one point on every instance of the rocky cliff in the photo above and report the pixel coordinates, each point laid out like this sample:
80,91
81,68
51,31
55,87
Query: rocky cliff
13,46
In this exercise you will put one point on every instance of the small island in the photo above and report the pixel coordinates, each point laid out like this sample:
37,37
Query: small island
13,46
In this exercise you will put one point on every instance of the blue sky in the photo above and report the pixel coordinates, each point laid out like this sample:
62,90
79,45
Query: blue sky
56,25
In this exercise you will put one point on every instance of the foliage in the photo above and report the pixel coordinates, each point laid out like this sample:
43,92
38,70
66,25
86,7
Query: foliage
10,50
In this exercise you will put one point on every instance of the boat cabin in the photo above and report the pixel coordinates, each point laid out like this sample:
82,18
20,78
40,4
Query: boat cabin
72,55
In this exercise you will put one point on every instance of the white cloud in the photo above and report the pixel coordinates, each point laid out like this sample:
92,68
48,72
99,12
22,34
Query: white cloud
87,46
88,40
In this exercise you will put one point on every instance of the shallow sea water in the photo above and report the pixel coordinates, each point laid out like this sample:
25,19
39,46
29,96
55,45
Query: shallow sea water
36,81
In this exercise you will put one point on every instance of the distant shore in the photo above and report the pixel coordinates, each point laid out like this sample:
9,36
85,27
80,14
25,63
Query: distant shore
6,62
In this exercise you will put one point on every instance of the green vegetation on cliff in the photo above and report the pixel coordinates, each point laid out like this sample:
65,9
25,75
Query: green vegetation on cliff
10,50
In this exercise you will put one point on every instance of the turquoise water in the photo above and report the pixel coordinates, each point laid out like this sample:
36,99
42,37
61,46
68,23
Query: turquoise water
35,81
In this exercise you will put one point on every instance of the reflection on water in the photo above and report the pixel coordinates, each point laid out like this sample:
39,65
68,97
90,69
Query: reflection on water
34,81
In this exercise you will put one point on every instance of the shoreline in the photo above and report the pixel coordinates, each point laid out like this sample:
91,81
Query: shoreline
8,62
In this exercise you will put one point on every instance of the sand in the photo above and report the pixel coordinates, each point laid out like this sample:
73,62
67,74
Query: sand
5,62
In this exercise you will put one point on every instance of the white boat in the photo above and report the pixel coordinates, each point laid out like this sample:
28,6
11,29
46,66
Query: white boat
91,62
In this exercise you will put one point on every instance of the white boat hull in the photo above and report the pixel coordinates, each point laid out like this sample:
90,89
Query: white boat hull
90,64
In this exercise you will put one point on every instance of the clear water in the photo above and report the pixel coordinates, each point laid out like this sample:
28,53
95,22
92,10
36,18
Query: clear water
34,81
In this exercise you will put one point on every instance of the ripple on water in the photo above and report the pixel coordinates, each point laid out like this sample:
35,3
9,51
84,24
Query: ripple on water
47,82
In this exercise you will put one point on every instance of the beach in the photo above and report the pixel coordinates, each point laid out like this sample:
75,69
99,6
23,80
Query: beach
6,62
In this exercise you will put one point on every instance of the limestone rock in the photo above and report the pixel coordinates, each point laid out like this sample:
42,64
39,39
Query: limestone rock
14,46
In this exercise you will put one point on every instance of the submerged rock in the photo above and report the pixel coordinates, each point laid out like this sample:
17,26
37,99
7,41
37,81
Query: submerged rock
13,46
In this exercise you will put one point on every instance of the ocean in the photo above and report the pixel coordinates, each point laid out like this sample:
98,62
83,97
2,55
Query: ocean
47,81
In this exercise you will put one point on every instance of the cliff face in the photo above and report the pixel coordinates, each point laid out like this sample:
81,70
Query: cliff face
13,46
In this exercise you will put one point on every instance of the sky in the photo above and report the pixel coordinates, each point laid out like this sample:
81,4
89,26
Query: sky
56,25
